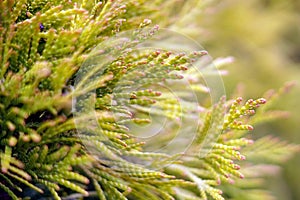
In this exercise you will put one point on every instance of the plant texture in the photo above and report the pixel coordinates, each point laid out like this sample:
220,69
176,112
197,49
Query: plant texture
70,110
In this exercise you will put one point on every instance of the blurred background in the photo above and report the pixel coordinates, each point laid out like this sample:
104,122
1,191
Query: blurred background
264,38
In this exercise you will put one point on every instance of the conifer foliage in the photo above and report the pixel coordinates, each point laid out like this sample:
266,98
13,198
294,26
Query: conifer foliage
67,121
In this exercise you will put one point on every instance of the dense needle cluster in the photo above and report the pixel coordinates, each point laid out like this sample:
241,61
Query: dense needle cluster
49,151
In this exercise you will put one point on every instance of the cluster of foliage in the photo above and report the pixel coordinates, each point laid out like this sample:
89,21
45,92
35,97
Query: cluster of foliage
47,151
267,38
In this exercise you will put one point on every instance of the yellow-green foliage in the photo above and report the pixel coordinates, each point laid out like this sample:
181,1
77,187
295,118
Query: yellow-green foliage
263,37
45,148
